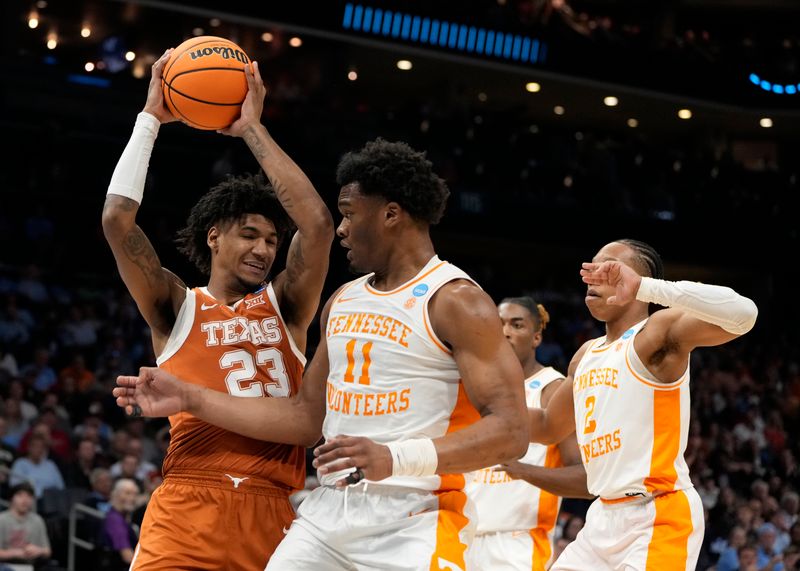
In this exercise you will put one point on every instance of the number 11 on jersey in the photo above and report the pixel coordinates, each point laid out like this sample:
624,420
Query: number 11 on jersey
363,378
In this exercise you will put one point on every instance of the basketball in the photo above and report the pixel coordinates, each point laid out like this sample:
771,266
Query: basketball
204,82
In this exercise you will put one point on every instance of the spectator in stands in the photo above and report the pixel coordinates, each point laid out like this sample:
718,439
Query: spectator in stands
7,456
118,534
39,371
729,558
59,443
78,473
16,390
36,468
16,425
100,496
77,371
766,554
23,535
143,467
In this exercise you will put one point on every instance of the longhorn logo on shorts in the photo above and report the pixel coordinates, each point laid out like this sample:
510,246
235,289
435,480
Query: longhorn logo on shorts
236,481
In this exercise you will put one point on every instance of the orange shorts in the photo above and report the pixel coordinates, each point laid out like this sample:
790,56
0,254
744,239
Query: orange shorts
211,521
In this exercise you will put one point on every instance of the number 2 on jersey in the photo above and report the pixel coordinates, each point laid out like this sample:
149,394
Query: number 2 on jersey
363,379
276,383
589,424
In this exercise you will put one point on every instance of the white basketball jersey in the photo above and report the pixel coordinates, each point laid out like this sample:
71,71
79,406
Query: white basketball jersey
504,504
391,378
632,429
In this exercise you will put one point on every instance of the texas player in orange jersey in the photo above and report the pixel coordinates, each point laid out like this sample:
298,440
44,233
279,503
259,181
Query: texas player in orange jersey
224,500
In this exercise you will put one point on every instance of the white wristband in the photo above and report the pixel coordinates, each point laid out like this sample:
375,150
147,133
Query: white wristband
718,305
415,457
131,171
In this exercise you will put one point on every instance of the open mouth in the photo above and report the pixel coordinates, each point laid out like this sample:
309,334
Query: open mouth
593,293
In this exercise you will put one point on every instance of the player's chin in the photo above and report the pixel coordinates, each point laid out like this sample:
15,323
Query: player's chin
598,307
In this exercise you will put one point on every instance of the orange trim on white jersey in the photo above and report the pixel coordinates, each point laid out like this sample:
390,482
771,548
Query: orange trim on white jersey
651,384
672,527
374,291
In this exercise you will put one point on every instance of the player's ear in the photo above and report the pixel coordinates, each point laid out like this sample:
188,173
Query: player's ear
212,239
392,213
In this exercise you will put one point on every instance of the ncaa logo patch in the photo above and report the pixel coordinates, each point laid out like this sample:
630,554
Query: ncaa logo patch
627,334
534,384
420,290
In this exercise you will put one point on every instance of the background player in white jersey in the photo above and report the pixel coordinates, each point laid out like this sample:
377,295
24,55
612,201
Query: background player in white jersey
413,379
516,519
629,405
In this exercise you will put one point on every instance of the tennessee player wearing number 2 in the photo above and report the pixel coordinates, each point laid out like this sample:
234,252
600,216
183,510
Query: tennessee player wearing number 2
628,401
224,500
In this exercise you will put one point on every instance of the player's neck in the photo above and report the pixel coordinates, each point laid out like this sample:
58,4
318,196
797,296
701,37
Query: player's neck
531,366
224,293
615,329
403,263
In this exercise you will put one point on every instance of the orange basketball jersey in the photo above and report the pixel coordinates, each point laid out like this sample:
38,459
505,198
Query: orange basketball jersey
244,350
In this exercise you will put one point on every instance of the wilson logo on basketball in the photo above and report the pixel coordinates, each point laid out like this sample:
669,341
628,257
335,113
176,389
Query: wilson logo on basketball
226,53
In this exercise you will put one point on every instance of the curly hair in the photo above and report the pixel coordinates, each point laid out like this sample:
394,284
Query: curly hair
649,260
398,173
228,202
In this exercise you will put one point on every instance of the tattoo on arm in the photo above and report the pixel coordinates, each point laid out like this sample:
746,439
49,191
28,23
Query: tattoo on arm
140,252
296,263
251,138
260,152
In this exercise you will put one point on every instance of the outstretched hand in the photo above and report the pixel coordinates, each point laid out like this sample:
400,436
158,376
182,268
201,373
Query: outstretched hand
616,274
253,104
153,393
155,92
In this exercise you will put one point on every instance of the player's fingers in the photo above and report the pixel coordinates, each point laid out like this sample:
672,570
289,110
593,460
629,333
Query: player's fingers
333,455
612,300
331,467
127,381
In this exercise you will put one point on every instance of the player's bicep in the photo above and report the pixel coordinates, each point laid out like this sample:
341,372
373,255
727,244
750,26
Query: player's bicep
466,318
148,283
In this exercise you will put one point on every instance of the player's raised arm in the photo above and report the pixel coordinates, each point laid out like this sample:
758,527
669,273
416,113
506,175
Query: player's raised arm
697,314
157,292
299,286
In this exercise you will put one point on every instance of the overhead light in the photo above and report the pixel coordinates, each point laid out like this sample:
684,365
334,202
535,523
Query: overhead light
295,42
765,122
266,37
404,64
352,75
633,123
685,114
86,31
41,4
130,56
33,20
611,101
198,31
52,41
533,87
89,66
138,70
558,110
482,97
214,22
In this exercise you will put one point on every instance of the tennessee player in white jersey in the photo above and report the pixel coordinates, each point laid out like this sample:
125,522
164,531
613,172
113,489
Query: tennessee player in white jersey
412,384
629,401
516,515
236,336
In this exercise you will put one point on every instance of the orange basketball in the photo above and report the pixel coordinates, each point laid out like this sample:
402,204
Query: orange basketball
204,82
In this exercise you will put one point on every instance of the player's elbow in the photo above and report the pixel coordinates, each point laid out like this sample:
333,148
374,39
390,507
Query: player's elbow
321,229
746,318
517,436
116,222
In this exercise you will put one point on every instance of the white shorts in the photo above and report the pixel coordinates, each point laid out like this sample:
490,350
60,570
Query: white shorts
661,534
510,551
373,527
